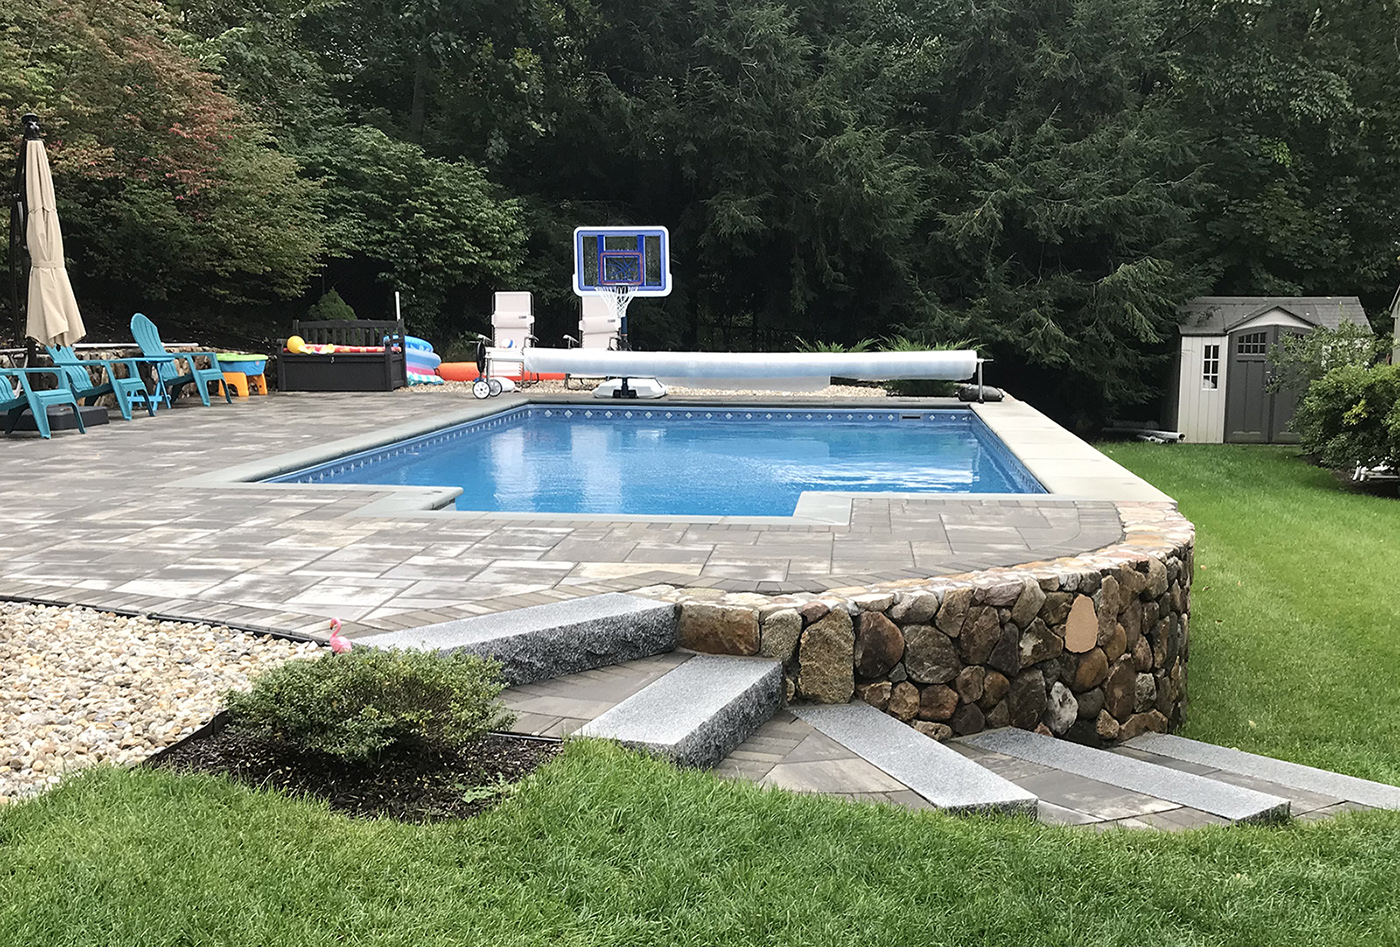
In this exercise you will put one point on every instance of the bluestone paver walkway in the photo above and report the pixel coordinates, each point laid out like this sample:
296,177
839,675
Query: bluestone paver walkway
788,753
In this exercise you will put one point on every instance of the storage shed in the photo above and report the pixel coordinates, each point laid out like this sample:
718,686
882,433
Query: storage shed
1217,392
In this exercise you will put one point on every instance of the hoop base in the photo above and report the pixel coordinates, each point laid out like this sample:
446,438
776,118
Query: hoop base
630,388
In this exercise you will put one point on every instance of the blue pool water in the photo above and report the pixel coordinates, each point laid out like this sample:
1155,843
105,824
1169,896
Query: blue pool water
692,461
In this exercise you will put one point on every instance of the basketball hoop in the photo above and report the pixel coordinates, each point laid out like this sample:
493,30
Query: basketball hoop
619,264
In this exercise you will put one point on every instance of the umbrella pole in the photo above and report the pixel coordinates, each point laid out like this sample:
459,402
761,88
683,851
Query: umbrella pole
19,217
16,238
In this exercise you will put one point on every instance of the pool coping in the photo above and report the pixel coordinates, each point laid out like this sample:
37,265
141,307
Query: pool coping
1070,469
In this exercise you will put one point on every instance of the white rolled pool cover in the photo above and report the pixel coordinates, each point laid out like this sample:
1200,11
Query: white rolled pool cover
748,369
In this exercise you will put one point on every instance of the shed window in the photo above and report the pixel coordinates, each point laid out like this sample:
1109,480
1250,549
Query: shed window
1253,343
1210,368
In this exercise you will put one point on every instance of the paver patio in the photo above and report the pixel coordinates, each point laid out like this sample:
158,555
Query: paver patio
107,519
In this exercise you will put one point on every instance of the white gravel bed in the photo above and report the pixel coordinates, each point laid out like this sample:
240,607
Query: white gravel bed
79,687
552,386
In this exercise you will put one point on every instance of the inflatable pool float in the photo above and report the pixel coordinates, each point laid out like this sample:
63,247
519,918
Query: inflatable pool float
296,346
466,371
423,360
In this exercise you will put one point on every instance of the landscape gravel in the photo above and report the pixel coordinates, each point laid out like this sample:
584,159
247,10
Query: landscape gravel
80,687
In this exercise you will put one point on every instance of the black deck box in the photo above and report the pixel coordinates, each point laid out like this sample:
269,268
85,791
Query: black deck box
382,370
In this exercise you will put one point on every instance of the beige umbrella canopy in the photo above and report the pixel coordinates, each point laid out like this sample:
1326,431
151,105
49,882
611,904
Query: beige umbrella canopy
53,311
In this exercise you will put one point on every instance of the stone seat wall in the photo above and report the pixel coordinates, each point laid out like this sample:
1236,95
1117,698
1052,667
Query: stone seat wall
1092,647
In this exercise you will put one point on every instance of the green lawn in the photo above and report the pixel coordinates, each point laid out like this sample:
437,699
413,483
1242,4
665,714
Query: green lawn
1295,612
607,848
604,847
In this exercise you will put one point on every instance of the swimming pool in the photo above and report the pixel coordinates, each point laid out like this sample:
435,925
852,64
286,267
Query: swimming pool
690,461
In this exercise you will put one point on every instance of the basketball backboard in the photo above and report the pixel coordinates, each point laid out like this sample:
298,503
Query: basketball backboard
636,260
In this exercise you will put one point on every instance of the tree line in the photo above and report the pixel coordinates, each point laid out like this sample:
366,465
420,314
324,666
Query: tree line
1050,178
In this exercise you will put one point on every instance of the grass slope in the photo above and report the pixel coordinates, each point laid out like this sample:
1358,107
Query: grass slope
604,847
1295,612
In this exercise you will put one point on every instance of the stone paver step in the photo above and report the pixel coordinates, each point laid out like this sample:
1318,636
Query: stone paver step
940,775
559,706
697,713
545,641
1235,803
1291,775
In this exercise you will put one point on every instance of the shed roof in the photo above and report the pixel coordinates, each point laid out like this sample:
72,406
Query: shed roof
1217,315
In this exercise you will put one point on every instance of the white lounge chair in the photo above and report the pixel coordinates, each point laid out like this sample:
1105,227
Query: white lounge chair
597,329
512,328
598,325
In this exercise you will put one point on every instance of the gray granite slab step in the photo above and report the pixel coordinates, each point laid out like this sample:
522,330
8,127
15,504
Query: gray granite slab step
1293,775
945,778
545,641
697,713
1235,803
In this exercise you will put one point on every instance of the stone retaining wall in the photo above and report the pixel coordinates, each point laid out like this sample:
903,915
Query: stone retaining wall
1092,647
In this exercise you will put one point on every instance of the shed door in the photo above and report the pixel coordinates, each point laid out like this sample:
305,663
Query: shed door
1285,404
1252,414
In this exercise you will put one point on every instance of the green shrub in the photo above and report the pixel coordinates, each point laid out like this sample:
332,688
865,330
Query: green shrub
355,706
1300,360
1351,415
331,306
864,345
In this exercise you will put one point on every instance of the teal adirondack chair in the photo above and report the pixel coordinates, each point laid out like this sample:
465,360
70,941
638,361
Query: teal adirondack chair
147,336
14,400
128,391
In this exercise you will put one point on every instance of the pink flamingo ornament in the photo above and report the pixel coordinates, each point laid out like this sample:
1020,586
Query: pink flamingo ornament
339,643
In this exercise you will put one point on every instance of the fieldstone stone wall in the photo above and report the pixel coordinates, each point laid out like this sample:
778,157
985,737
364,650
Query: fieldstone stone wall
1092,648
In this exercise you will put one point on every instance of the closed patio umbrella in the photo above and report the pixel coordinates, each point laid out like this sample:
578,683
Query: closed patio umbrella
53,317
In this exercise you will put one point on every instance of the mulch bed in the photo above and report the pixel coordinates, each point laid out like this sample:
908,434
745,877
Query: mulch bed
408,787
1380,488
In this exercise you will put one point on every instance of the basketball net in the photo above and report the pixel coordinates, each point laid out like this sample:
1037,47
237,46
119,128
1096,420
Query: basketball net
621,297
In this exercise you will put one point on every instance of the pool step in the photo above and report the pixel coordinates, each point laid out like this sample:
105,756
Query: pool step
1287,776
1231,802
698,712
945,778
545,641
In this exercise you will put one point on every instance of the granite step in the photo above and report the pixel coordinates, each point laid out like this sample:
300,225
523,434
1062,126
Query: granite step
946,779
1285,774
545,641
698,712
1234,803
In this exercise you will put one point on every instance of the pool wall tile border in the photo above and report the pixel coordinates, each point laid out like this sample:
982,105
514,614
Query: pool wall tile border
1068,467
1001,456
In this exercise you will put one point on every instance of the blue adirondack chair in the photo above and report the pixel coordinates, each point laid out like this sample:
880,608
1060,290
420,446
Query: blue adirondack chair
14,400
147,336
128,391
